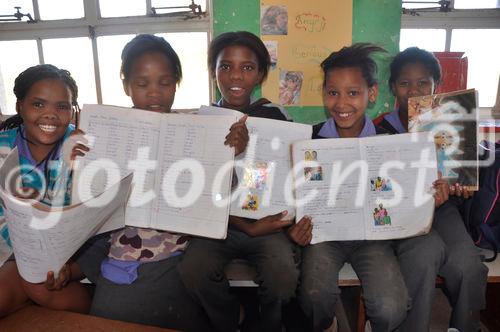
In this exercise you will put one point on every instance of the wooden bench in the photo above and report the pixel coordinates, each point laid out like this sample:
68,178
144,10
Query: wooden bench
241,274
37,319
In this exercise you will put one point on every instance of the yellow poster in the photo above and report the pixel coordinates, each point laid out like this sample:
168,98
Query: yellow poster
299,35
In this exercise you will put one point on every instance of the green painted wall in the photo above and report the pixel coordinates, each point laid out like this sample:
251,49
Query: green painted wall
377,21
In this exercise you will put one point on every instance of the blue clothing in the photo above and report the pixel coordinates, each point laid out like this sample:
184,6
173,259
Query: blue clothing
385,294
119,272
394,119
449,252
329,129
57,191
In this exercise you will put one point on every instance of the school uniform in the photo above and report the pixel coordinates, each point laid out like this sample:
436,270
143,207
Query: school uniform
56,191
448,251
134,270
384,291
274,256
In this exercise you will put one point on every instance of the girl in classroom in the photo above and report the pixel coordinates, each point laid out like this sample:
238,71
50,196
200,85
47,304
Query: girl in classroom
349,86
46,102
139,281
416,72
239,62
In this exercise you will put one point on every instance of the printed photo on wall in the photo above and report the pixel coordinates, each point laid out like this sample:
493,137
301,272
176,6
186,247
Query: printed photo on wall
290,87
381,217
380,184
272,48
274,20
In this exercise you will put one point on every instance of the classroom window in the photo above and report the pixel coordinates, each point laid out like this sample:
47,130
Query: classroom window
74,55
430,39
472,27
111,8
193,90
14,56
476,4
176,3
58,10
420,4
7,8
88,42
482,53
110,49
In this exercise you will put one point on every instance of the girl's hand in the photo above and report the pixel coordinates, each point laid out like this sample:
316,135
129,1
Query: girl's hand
269,224
460,191
75,145
301,232
442,191
62,280
238,136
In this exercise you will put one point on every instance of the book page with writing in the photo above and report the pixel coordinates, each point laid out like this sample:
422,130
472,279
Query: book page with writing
192,156
215,110
323,194
44,238
122,140
399,201
263,168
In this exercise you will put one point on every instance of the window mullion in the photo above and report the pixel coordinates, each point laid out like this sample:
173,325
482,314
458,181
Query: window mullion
95,56
91,11
36,10
40,50
447,46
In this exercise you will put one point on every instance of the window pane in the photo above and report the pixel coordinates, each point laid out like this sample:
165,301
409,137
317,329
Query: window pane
432,40
468,4
109,49
57,10
16,56
117,8
192,50
431,3
7,8
79,63
482,54
176,3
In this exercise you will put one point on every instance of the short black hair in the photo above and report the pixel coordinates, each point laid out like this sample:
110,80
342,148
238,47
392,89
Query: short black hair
359,56
239,38
147,43
25,80
415,55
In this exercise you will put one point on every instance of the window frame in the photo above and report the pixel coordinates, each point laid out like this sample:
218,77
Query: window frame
92,25
455,19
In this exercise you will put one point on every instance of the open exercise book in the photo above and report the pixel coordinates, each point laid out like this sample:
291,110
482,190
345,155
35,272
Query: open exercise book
371,188
44,238
265,167
451,118
182,169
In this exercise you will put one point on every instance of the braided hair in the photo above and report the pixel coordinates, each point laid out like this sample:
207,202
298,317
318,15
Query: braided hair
22,86
32,75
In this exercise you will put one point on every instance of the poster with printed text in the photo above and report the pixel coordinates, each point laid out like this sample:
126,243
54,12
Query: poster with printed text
303,33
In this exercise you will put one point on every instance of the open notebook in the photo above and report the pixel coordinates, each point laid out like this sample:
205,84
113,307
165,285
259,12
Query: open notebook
182,169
